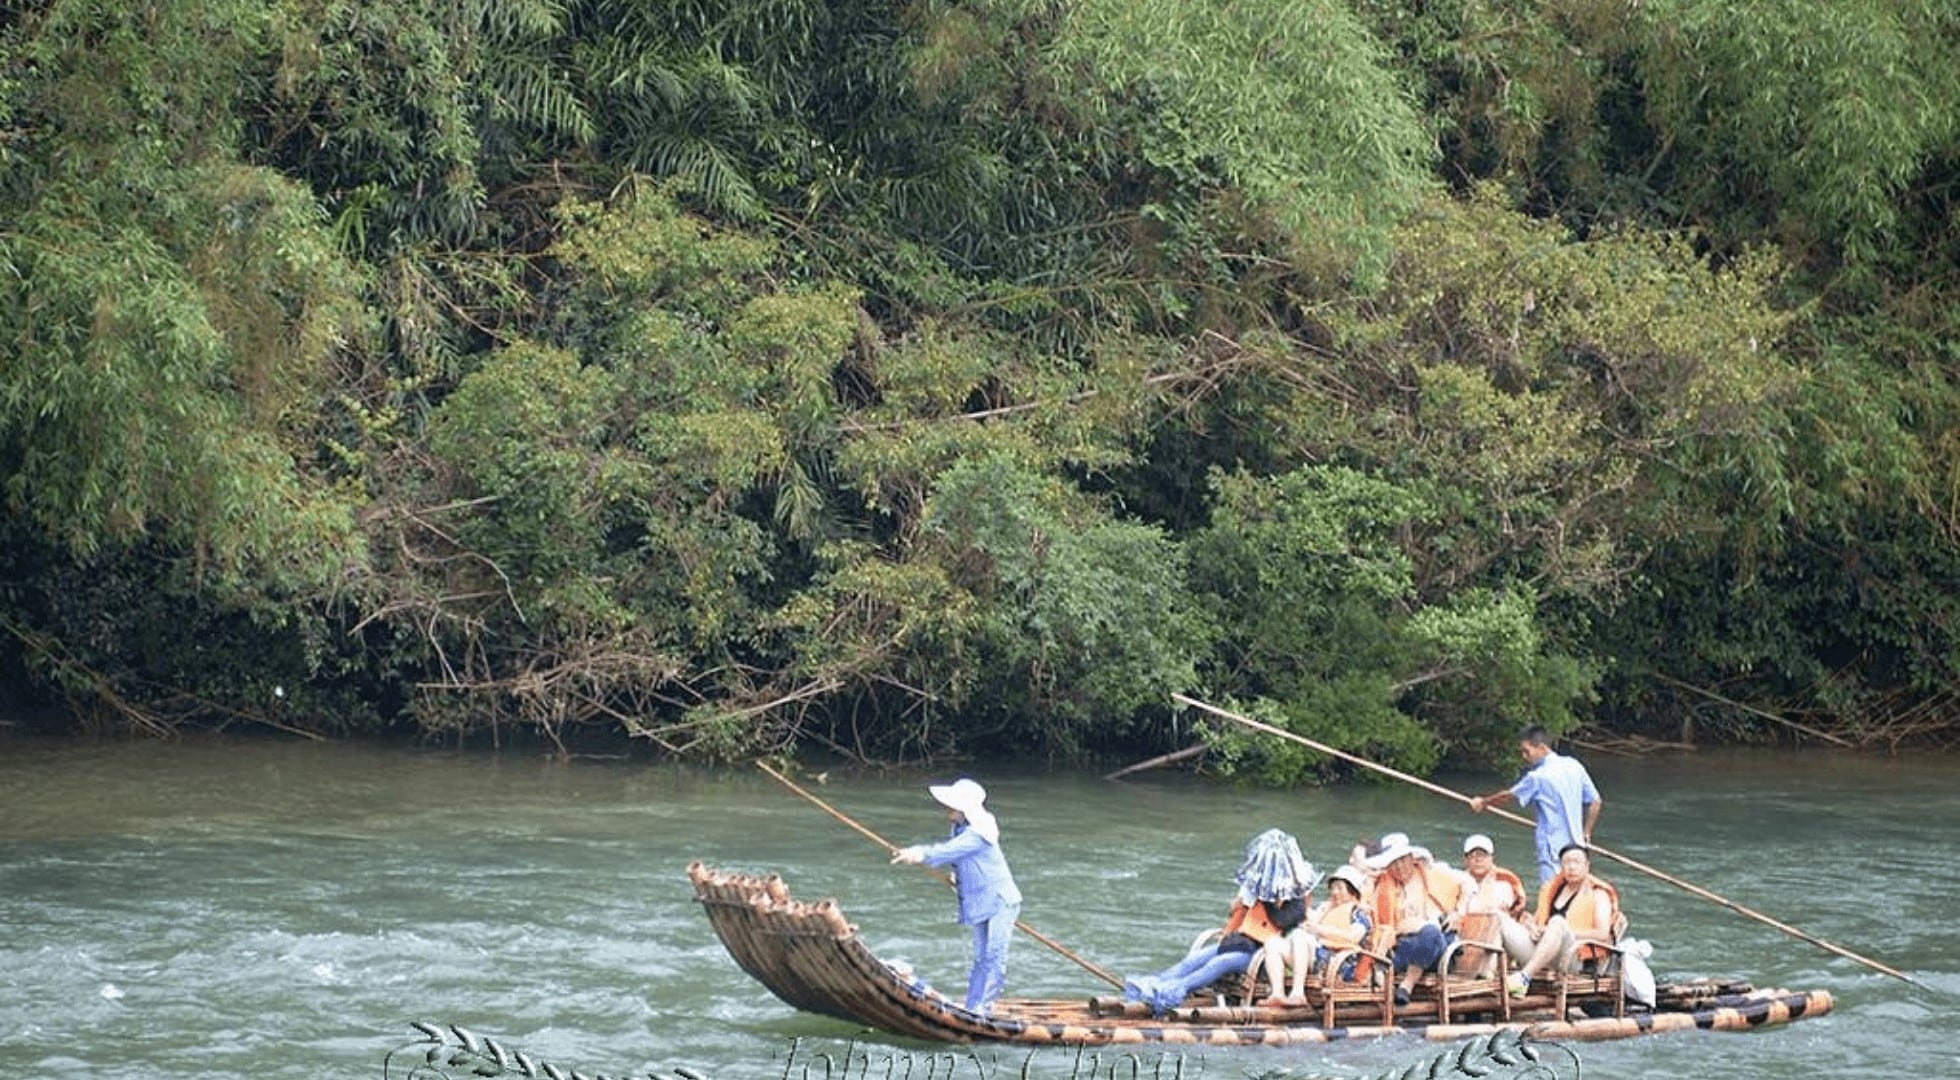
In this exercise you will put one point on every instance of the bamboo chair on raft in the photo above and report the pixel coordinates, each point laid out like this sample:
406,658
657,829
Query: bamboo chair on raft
1326,991
1597,984
1457,990
1458,978
1372,985
1455,987
1600,984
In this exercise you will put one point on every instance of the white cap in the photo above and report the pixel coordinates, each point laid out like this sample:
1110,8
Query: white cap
1478,842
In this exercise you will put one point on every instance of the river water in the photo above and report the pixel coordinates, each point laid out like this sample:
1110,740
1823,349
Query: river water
220,908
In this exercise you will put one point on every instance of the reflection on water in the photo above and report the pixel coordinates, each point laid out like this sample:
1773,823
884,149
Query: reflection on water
246,908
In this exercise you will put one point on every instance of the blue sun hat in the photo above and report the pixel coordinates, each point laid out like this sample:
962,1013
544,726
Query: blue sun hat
1274,869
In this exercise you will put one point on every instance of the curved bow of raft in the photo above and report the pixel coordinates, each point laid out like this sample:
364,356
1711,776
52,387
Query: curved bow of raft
812,958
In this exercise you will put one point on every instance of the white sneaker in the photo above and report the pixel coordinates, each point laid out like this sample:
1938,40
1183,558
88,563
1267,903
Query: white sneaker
1518,983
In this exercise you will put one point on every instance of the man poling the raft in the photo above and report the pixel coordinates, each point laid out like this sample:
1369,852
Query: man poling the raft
1023,927
990,902
1558,790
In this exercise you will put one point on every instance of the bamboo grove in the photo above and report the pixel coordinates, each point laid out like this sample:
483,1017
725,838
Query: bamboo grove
919,378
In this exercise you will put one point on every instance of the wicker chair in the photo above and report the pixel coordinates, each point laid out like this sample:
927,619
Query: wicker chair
1373,984
1599,985
1456,992
1326,991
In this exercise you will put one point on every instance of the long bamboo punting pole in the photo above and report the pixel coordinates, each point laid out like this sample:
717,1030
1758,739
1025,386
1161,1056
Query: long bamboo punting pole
1686,886
891,847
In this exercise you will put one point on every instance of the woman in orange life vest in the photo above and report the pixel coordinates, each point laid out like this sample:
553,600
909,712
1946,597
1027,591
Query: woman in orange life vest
1574,909
1274,883
1337,925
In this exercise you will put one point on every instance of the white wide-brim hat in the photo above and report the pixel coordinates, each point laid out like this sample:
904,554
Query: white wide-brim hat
967,797
964,795
1393,846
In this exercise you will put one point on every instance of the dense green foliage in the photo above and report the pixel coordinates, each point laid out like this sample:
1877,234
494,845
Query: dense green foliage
928,379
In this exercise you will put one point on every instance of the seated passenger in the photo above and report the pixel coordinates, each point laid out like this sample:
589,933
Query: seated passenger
1411,898
1272,899
1576,913
1338,925
1491,907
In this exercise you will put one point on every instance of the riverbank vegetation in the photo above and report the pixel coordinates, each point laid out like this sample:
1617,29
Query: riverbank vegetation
925,379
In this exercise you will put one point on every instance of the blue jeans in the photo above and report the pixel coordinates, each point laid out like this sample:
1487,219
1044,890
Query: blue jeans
1322,954
1421,949
1168,988
990,940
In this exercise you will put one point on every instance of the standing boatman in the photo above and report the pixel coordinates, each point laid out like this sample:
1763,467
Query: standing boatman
989,900
1559,790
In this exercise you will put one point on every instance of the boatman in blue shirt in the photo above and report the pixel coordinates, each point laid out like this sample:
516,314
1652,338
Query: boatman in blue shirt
990,902
1559,790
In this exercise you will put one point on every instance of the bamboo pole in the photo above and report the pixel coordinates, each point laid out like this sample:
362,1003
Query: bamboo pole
1426,785
942,875
1754,711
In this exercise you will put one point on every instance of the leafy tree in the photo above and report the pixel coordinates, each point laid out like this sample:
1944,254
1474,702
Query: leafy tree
1806,119
173,315
1513,89
1081,622
956,376
581,537
1328,635
1837,620
1294,108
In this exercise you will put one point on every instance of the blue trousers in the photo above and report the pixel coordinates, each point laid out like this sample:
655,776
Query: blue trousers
1421,949
991,937
1171,986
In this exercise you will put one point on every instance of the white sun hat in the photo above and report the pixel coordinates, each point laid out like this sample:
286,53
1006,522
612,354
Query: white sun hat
1353,877
1392,847
969,798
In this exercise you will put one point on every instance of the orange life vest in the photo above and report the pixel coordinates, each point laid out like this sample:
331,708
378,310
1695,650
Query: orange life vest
1517,890
1254,921
1445,889
1581,914
1335,926
1442,890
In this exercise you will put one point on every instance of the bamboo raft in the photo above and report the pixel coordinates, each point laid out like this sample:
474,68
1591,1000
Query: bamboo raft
811,957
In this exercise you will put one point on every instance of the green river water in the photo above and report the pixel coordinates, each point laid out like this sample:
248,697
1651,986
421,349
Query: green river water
267,909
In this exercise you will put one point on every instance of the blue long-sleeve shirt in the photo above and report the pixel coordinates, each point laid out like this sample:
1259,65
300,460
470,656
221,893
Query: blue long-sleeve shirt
980,873
1558,789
